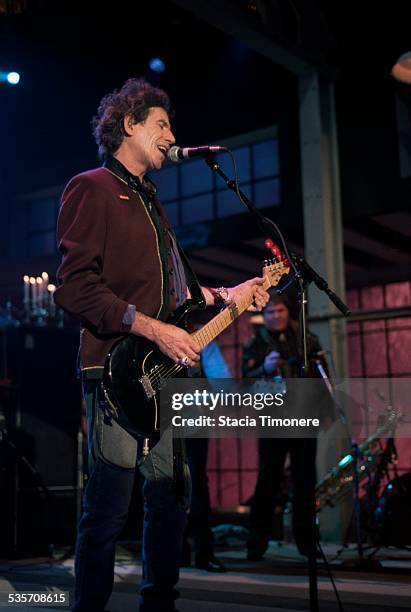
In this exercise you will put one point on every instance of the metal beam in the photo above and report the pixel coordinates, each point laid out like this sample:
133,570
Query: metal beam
324,251
322,209
225,16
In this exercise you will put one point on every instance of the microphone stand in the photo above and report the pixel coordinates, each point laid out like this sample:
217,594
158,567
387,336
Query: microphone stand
304,274
362,562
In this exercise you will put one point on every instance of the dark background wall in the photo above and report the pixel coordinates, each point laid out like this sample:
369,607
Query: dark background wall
220,87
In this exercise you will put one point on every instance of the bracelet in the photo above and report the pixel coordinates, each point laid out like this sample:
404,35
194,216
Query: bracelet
221,296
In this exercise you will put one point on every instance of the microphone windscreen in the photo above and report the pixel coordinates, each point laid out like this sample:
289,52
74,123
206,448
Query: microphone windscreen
173,154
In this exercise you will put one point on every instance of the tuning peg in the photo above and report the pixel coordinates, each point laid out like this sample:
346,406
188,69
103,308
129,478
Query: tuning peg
265,263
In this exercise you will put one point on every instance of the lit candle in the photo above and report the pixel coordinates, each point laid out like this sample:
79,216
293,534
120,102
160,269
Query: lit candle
26,280
33,292
51,289
40,283
46,297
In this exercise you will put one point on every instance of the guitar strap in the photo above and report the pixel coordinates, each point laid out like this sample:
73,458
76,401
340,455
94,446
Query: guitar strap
192,282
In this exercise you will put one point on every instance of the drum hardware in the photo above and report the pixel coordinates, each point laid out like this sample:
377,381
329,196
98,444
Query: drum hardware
384,522
339,481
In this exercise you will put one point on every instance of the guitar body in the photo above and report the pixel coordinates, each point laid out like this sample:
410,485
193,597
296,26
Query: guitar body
135,369
133,374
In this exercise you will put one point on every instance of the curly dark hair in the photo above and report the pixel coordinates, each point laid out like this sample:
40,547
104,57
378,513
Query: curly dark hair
135,98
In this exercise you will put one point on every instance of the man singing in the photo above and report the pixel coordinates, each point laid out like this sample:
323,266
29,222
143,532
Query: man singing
124,273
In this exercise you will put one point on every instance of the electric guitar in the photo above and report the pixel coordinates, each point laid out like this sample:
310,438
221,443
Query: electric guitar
135,369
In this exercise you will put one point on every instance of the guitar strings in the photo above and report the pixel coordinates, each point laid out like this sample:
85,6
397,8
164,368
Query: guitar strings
162,371
167,374
167,371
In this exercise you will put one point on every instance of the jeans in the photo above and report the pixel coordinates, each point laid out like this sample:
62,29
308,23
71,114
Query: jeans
272,455
200,509
115,457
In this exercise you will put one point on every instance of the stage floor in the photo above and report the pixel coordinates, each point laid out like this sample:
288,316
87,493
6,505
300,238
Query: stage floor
277,583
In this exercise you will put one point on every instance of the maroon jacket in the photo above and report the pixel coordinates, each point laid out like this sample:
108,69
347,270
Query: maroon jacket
112,257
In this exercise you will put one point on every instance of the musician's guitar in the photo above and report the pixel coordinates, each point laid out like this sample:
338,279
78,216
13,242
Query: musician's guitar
135,369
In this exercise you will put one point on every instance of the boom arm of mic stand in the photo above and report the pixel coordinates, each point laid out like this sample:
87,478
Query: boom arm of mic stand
310,275
302,269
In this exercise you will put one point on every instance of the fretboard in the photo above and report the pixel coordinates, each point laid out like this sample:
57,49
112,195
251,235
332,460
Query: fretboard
219,323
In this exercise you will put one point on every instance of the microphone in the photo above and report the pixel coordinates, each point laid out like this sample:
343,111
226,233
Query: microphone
177,154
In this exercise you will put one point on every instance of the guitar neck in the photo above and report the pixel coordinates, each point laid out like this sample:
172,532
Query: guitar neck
219,323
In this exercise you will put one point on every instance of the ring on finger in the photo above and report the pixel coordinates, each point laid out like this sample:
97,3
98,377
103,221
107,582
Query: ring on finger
185,361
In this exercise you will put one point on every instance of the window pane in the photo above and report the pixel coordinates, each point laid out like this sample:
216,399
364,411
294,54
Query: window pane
166,181
42,244
42,214
229,204
267,193
197,209
196,177
242,159
266,159
171,210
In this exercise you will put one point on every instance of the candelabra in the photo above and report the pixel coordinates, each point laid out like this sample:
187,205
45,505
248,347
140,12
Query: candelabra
38,306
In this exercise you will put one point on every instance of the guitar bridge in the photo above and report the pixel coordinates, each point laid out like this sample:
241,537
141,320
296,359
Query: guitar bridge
147,386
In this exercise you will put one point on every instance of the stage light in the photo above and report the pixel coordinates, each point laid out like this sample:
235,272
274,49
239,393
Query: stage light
13,78
157,65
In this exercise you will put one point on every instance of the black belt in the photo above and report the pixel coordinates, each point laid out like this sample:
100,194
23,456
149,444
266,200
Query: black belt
95,373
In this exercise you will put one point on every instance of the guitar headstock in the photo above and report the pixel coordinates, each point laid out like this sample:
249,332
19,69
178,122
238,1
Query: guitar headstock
277,266
274,270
